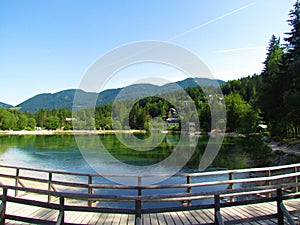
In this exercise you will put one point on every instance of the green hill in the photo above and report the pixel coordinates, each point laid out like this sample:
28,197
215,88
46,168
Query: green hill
4,105
64,99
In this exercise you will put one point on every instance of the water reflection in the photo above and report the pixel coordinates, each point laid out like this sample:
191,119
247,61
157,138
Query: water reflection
61,152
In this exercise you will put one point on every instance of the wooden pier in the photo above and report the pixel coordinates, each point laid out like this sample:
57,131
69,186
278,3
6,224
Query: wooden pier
249,196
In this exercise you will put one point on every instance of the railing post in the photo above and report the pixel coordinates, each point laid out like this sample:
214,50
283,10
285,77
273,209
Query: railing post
280,215
188,181
139,185
188,190
17,181
230,187
90,189
296,180
218,217
3,206
49,186
269,174
138,212
61,216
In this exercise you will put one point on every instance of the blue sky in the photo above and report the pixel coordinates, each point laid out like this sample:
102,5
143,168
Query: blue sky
47,46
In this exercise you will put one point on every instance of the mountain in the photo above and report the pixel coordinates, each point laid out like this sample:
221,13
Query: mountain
4,105
64,99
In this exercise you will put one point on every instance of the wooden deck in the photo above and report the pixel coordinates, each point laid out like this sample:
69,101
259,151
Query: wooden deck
247,214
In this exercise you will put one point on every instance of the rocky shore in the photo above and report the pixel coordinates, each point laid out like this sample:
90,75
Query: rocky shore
285,153
285,148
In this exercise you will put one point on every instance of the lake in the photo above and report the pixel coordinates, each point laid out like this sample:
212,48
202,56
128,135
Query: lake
61,152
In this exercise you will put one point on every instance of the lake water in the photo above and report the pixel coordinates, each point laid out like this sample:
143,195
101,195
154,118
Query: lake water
61,152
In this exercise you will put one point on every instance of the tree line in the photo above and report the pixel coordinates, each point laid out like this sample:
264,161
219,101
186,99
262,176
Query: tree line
271,97
275,93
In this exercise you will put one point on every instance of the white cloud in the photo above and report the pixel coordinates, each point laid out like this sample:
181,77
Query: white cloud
239,49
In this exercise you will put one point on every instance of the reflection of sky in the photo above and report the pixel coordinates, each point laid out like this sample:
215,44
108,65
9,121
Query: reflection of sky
58,160
15,156
70,159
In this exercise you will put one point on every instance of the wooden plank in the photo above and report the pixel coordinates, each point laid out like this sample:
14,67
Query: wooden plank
175,218
124,219
102,219
258,209
109,219
183,218
206,215
87,217
53,215
161,219
168,219
131,219
95,218
81,216
190,217
21,210
267,207
292,204
229,215
197,217
116,220
72,217
210,214
154,219
43,214
146,219
246,212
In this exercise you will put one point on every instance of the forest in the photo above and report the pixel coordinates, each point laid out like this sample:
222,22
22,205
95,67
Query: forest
271,98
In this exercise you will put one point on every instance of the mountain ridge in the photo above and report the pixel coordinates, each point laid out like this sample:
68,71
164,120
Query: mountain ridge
64,98
4,105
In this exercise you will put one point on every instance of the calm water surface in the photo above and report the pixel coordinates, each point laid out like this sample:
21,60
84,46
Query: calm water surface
62,153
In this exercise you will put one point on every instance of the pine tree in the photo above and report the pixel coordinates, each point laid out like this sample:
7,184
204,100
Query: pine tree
293,41
291,96
270,94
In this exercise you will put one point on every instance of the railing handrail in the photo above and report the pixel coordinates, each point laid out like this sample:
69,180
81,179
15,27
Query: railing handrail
220,172
268,186
154,186
138,211
155,197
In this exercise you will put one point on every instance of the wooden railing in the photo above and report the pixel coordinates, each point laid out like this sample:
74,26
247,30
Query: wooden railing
138,200
264,185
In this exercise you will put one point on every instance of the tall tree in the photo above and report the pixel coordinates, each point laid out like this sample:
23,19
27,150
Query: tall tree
291,96
271,91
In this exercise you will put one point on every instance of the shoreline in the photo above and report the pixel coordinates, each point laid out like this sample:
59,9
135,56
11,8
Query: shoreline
67,132
97,132
285,148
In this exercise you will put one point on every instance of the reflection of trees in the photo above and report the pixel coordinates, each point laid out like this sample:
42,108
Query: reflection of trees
230,155
131,156
7,142
51,142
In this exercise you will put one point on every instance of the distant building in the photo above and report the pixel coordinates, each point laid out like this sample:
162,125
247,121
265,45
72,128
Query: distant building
172,121
70,119
262,127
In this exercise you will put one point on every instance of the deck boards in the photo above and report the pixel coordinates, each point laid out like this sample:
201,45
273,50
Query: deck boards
241,214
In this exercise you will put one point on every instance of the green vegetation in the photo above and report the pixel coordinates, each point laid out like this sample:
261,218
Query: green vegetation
275,93
271,97
64,99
